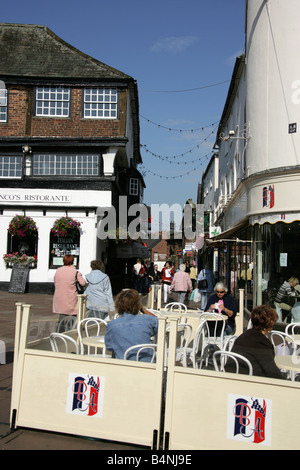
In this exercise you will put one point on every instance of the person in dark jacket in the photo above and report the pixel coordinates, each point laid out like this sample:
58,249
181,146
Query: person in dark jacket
223,303
255,346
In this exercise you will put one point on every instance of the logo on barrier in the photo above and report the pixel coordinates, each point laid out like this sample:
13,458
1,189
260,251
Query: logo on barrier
85,395
249,419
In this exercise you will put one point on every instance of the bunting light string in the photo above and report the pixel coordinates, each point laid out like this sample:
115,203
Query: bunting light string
169,177
188,89
164,157
172,161
160,126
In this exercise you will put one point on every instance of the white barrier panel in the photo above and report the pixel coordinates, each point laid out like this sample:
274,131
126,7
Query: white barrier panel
214,410
87,395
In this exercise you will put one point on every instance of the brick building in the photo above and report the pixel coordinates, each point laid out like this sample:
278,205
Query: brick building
69,145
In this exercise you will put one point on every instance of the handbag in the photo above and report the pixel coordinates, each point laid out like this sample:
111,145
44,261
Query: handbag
79,287
202,284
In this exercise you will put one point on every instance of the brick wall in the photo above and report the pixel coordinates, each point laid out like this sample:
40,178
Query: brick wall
162,250
21,119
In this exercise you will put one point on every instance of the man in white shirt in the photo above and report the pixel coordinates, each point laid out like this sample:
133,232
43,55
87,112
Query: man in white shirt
136,270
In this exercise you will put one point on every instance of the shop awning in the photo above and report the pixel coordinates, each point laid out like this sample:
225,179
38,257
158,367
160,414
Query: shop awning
132,249
225,236
273,218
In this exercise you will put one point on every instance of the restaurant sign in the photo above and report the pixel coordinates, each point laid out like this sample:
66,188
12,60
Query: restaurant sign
249,419
42,198
85,395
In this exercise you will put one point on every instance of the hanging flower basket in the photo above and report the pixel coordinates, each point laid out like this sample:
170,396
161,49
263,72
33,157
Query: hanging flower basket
10,259
22,226
65,227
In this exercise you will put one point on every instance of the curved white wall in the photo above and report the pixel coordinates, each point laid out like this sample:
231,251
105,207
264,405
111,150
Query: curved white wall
273,68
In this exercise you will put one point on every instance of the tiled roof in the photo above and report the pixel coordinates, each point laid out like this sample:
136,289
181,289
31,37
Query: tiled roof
35,51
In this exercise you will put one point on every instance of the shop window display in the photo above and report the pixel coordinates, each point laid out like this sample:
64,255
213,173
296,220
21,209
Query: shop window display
22,242
64,239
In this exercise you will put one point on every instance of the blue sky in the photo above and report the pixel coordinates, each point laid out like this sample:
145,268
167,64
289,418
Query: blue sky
175,50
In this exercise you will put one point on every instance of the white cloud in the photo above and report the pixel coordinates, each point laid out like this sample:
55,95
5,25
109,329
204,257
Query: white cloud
173,44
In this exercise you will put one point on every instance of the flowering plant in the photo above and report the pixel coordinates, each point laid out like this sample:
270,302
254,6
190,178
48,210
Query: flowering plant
22,226
65,226
18,258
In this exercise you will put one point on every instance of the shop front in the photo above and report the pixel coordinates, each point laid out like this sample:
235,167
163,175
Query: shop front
41,231
259,244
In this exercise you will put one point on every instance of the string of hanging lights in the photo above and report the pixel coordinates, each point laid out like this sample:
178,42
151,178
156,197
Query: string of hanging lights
147,170
161,126
172,157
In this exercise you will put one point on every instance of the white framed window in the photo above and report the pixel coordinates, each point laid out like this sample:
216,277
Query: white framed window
134,187
100,103
3,105
52,101
11,167
66,165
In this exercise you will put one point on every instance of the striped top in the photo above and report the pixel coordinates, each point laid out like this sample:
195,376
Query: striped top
284,289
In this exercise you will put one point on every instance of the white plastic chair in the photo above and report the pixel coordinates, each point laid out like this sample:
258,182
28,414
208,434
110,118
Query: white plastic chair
155,312
283,344
66,324
141,347
292,326
229,342
237,359
96,339
195,353
59,339
214,334
184,333
174,306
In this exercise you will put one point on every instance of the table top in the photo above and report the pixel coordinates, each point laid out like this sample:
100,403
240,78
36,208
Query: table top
288,362
94,341
296,338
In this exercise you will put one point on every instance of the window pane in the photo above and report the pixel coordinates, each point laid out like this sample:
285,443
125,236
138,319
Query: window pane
11,167
65,165
51,101
96,99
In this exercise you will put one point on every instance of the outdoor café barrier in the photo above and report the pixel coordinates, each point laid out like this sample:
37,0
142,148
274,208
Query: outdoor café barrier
217,410
85,395
135,402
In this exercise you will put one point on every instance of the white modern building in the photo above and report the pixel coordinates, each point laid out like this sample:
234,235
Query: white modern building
255,201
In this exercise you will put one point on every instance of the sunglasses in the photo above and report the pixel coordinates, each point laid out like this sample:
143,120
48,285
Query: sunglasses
220,292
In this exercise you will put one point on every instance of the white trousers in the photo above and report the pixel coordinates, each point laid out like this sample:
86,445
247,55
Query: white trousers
166,292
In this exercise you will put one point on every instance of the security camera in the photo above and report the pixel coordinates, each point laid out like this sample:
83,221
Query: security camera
231,133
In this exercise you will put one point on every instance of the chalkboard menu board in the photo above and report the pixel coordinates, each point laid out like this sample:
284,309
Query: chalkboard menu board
18,279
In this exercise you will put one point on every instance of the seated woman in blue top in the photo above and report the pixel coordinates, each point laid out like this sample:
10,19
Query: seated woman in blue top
131,327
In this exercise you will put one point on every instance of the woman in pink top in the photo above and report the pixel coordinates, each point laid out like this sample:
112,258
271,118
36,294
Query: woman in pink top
65,298
181,283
